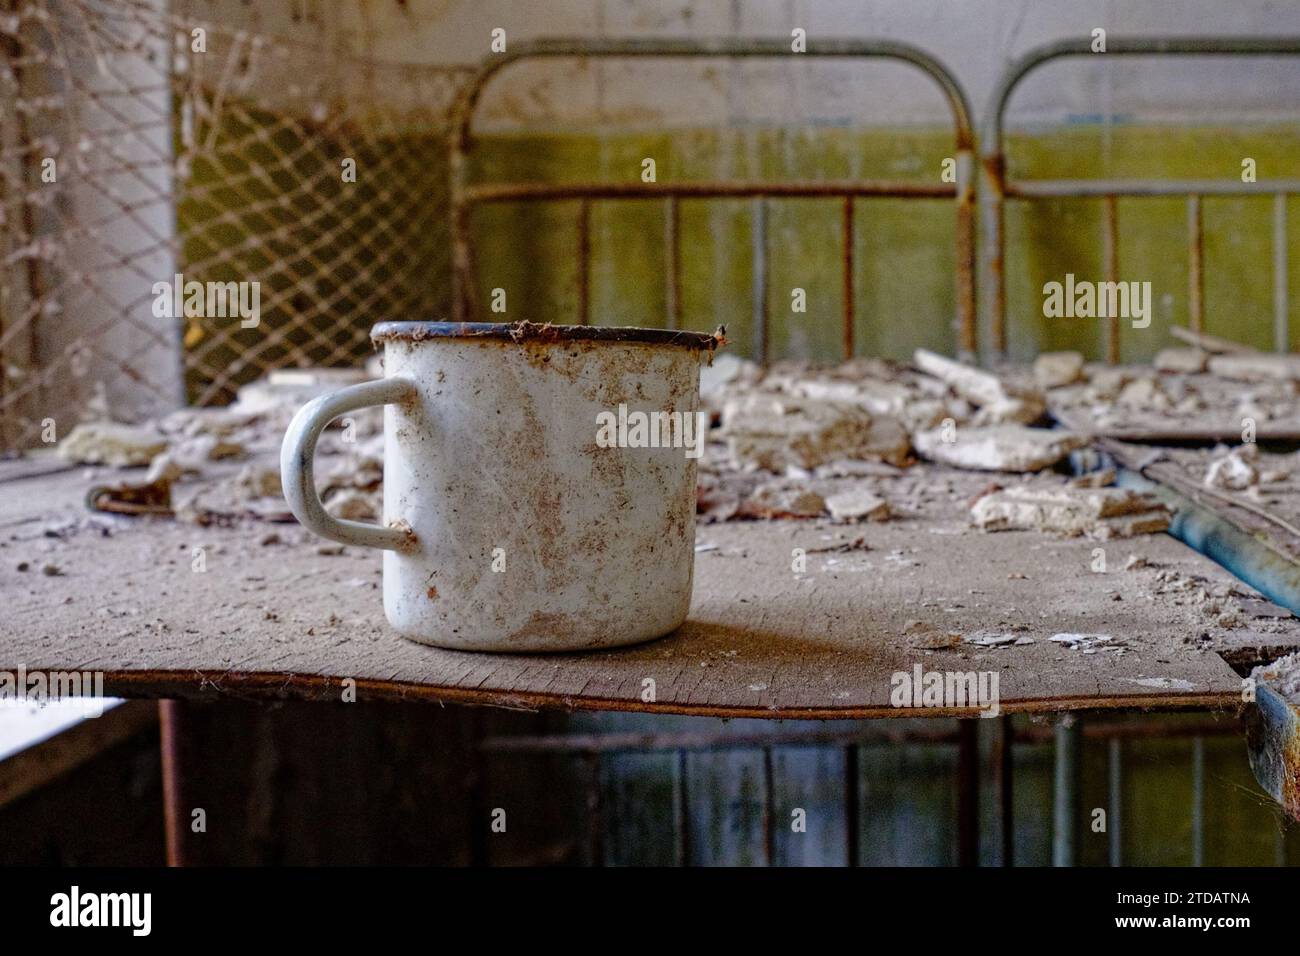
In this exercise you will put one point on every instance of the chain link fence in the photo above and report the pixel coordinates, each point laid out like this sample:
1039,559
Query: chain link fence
144,151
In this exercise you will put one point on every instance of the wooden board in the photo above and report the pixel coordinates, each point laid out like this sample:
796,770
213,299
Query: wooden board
282,620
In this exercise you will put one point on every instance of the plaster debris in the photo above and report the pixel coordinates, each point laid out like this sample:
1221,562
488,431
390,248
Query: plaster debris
771,432
1144,393
990,639
1054,369
1100,513
1210,343
1170,683
858,504
926,637
112,443
1185,360
780,499
728,374
258,480
1282,676
192,452
1257,366
1101,478
1014,448
353,504
999,399
1235,471
1085,642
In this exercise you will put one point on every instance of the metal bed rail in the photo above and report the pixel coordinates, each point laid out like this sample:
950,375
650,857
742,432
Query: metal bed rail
996,188
465,196
996,770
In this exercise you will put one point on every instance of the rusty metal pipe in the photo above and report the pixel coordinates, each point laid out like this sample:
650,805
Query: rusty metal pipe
673,262
1103,187
847,262
707,189
173,749
1195,265
584,261
1110,253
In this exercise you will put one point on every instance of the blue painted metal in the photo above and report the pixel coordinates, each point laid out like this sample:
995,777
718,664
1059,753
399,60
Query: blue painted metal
1273,722
1245,555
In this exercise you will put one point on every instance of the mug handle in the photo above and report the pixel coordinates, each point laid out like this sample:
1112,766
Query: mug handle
297,464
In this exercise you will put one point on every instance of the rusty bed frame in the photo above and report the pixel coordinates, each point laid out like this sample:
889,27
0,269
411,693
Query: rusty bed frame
466,196
995,190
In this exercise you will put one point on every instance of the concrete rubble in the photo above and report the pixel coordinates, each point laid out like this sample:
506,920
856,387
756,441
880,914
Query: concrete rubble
857,504
1011,448
1054,369
1185,360
998,399
1071,511
1257,366
771,431
1234,471
112,443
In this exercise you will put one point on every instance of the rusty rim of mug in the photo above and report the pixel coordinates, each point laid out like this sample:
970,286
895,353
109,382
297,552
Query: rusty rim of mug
521,332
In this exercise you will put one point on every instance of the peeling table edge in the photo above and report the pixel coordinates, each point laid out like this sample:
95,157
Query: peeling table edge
263,685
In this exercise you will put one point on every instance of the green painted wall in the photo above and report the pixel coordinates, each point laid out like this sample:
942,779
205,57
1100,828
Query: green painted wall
903,250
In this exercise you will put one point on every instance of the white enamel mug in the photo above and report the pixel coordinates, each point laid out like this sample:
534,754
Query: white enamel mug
512,521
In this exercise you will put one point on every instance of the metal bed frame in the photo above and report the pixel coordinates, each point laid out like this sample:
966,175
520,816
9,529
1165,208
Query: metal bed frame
465,197
996,187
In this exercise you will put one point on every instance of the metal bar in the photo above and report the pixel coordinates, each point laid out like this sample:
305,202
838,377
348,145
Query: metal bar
477,786
614,743
1203,529
682,801
1143,188
1121,46
1281,293
758,241
1006,787
1065,796
1110,253
584,262
847,290
1115,800
997,187
852,800
1195,266
769,810
1198,802
1273,744
464,306
174,751
706,189
672,263
728,47
595,810
964,268
993,275
968,792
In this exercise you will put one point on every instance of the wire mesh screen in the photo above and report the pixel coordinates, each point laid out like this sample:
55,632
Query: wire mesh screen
187,204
